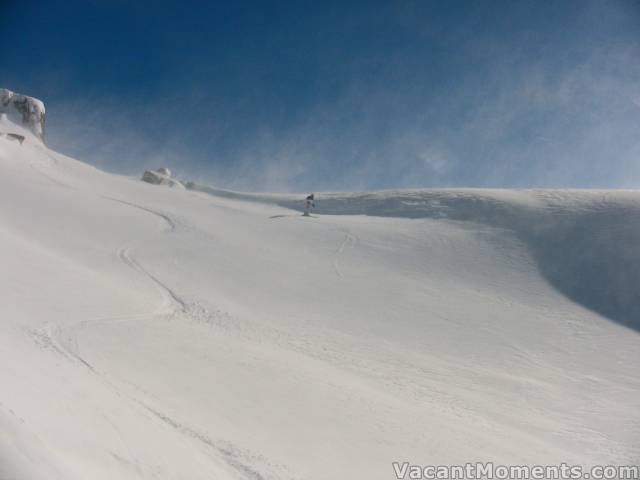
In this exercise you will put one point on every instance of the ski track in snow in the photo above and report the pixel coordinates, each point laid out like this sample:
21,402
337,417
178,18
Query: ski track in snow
348,239
125,254
231,454
63,341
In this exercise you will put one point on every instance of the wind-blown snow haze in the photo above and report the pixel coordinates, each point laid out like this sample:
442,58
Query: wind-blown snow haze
299,96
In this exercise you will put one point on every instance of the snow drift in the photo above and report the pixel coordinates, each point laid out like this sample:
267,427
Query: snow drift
175,333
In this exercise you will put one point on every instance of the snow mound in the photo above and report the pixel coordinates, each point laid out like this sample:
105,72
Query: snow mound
161,176
23,110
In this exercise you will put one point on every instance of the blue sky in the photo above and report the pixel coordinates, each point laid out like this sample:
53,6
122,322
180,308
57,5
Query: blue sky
308,95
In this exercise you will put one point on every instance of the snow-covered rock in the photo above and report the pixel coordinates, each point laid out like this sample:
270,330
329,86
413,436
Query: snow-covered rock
161,176
23,110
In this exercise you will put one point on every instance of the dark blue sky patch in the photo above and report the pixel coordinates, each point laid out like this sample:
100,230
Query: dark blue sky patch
338,95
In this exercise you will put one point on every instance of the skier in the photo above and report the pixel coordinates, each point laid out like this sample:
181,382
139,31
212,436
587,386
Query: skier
309,204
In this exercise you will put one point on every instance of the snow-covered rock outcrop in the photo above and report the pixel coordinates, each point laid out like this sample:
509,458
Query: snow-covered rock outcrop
22,110
161,176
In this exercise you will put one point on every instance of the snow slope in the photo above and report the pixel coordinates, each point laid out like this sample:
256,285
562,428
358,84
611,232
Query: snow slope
150,332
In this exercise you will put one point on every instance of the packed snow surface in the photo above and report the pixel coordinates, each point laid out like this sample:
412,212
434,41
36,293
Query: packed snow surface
200,334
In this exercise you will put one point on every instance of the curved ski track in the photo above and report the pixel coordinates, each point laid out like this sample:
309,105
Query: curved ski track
60,340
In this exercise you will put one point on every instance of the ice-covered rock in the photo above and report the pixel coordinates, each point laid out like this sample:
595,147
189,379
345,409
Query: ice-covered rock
161,176
22,110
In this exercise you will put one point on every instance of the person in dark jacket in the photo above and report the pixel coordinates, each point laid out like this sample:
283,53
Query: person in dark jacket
309,204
